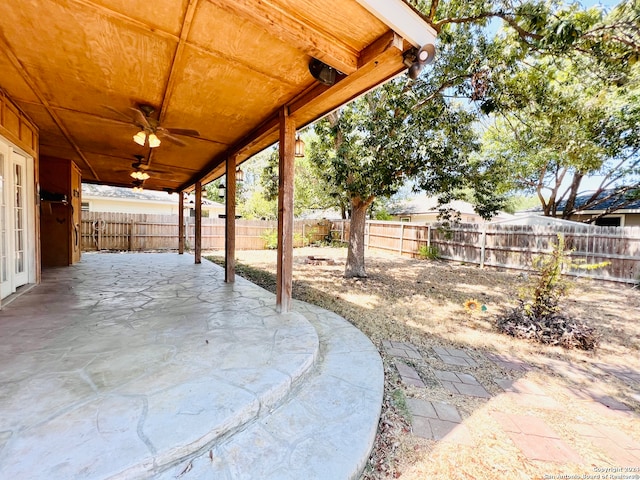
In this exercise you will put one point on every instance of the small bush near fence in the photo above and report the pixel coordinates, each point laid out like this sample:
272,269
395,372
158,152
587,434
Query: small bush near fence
538,315
428,252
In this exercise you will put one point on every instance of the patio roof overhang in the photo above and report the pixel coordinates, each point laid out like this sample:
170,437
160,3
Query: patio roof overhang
223,68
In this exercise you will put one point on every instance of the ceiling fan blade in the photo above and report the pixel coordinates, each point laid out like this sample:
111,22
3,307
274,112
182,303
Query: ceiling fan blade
118,112
140,119
164,134
183,131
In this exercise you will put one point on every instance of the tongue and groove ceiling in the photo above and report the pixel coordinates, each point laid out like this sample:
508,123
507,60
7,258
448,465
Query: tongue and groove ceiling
221,68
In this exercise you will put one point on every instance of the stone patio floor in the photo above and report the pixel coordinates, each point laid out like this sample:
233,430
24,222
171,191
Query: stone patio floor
150,366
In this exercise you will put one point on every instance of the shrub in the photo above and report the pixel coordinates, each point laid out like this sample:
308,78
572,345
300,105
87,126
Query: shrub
429,252
270,239
538,315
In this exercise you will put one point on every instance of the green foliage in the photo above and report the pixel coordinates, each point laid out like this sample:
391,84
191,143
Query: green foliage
382,214
542,295
311,191
557,124
270,239
428,252
539,315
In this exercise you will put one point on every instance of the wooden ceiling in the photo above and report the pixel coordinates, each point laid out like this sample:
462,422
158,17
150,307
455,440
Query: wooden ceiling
222,67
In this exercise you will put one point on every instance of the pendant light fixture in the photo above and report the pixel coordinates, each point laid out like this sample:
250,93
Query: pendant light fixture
141,138
299,147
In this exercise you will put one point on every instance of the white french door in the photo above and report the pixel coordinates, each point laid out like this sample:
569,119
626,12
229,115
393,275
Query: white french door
17,228
5,283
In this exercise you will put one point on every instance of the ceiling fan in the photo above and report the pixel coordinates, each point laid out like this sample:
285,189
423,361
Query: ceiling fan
142,170
151,132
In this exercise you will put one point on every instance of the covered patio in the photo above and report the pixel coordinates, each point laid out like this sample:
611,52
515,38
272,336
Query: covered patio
137,366
147,365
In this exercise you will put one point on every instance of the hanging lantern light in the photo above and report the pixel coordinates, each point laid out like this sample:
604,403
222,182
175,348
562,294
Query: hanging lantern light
299,147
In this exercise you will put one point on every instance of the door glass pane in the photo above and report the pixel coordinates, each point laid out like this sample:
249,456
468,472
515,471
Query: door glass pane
20,262
19,219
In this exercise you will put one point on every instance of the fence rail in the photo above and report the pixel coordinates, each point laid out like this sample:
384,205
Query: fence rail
515,246
505,246
140,232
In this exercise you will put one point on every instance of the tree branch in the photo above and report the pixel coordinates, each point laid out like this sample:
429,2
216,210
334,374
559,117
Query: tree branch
503,15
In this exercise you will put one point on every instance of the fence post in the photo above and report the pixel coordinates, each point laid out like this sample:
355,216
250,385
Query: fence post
483,242
99,222
367,233
401,237
428,236
131,235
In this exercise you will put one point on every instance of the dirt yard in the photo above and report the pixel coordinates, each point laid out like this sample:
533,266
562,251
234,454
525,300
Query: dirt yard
422,302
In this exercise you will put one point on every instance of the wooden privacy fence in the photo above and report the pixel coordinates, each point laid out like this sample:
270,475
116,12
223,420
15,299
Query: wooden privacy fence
140,232
515,246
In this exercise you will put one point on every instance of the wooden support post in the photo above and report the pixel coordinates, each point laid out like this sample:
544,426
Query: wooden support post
180,223
198,224
230,222
284,274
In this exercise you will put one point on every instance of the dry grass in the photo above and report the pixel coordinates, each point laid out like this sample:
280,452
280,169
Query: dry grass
422,302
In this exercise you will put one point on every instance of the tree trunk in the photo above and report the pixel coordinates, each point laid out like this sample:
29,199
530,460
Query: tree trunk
355,256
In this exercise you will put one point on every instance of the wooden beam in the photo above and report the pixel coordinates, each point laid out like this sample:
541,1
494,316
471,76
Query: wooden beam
230,223
180,223
310,39
198,224
171,80
284,275
383,61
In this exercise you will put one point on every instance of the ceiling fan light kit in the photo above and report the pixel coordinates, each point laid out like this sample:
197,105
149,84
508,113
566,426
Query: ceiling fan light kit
140,175
154,141
140,138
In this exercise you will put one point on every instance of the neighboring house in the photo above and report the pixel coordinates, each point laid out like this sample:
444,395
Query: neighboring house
102,198
425,209
538,220
629,216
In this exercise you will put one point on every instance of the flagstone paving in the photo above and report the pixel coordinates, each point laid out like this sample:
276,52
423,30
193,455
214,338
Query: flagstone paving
508,362
437,421
126,365
530,433
409,375
401,350
455,356
461,383
536,439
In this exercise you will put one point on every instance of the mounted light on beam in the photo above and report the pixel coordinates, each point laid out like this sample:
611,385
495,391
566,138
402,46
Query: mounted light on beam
322,72
239,175
298,148
417,59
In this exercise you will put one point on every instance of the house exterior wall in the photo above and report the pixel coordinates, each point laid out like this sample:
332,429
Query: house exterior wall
19,140
632,219
626,219
433,218
137,206
118,205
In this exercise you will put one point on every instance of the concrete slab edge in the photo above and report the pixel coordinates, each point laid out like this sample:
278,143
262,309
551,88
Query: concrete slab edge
343,396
